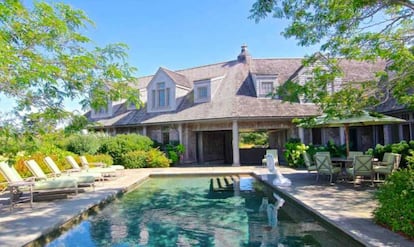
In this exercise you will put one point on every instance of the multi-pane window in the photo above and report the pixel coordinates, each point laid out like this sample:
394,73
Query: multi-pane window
161,96
266,88
202,92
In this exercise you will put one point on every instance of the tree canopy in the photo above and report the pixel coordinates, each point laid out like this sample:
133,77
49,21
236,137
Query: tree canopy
45,58
351,29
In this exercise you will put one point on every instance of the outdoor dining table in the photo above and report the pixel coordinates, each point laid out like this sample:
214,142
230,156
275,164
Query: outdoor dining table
343,162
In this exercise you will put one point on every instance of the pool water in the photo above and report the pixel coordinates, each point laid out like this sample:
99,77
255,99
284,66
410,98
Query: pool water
199,211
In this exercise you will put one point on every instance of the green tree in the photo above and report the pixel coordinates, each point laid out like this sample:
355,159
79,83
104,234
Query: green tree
77,123
45,59
352,29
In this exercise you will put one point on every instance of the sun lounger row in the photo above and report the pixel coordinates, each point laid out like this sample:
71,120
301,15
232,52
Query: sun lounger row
60,185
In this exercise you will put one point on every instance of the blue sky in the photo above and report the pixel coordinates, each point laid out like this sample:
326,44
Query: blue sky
184,33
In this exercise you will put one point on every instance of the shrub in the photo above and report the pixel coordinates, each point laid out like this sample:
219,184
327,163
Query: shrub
174,152
404,148
97,158
396,202
259,138
156,158
293,150
145,159
83,144
119,145
135,159
335,150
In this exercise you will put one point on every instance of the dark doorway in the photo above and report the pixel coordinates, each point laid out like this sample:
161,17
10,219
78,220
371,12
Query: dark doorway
215,147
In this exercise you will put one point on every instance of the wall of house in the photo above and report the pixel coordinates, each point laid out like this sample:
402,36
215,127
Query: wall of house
155,134
180,93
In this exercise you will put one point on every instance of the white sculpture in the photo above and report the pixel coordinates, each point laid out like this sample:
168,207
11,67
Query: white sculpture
280,180
272,210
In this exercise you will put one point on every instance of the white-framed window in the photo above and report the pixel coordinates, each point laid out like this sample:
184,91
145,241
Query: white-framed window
202,91
265,85
161,96
266,88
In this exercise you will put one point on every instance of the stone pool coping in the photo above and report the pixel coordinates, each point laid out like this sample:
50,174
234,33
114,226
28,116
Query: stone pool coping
347,207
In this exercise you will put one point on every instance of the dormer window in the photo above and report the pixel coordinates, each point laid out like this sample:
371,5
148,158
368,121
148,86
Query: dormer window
202,91
161,96
265,85
102,112
265,88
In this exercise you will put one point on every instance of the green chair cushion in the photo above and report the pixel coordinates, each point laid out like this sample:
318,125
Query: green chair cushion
59,183
350,172
327,172
383,169
117,167
83,178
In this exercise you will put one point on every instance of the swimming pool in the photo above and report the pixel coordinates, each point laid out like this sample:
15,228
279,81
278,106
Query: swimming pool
201,211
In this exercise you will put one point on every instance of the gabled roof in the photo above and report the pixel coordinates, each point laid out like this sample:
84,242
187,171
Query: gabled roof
178,78
235,97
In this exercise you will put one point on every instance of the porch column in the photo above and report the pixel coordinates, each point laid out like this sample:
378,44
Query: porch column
342,135
180,133
387,134
144,130
301,135
200,148
185,143
236,154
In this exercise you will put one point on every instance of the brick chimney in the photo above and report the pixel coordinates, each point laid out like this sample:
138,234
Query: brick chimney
244,56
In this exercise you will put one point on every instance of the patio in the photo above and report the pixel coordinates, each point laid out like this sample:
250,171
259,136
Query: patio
347,207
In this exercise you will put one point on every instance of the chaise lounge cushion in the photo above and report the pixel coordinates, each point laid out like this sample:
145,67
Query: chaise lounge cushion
54,184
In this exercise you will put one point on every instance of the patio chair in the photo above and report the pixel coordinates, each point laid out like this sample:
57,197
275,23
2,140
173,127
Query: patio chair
85,163
324,153
352,154
36,170
275,156
310,164
397,161
361,167
106,172
71,172
324,166
16,182
387,165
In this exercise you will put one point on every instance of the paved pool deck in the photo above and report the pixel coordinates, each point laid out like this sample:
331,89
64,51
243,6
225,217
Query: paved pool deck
348,208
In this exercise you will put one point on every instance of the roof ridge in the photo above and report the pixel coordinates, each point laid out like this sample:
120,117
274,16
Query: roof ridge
207,65
278,58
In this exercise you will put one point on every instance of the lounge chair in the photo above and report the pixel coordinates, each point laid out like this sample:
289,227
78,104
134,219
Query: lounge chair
275,155
16,182
324,166
71,172
106,172
85,163
310,165
361,167
36,170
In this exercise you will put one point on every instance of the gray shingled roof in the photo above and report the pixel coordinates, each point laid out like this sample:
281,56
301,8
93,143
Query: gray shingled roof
235,97
178,78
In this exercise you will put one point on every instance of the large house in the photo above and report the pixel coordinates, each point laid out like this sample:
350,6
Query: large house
206,107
